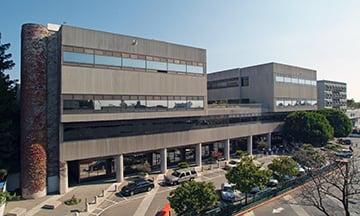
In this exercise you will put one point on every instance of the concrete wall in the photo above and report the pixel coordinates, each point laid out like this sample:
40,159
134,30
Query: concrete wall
286,90
87,38
261,84
219,94
113,146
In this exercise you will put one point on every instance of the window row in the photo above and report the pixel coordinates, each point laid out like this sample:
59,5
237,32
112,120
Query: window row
118,61
295,102
294,80
224,83
136,104
123,128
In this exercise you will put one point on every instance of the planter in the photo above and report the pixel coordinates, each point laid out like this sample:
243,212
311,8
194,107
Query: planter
2,209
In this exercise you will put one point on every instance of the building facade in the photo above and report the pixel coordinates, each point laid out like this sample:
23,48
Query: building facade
277,87
98,105
331,94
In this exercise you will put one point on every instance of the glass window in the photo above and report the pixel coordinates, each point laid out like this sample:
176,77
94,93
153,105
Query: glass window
244,81
78,58
196,104
178,104
134,63
108,60
155,65
279,79
314,83
287,103
295,80
279,103
308,82
176,67
194,69
301,81
78,104
162,104
287,79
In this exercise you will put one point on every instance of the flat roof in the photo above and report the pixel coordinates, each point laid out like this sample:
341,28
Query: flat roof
331,81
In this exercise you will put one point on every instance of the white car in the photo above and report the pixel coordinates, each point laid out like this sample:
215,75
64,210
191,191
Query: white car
232,163
229,193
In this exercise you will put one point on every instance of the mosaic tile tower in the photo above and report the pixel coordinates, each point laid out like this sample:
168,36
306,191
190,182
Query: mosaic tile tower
33,110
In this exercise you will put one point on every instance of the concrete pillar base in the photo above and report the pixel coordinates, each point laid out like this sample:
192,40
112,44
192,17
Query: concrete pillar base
249,145
119,168
163,160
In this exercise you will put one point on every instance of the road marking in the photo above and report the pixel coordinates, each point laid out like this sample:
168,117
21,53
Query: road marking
146,202
278,210
297,208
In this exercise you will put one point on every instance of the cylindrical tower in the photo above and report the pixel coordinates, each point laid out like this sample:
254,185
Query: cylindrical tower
33,110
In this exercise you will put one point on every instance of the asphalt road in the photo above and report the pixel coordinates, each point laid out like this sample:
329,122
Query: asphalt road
150,203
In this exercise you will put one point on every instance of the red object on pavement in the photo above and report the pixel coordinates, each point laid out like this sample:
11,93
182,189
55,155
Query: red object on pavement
166,211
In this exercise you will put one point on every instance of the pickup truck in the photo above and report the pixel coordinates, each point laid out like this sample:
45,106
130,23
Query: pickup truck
179,176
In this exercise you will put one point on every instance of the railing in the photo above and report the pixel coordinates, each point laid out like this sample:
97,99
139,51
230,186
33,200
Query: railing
231,209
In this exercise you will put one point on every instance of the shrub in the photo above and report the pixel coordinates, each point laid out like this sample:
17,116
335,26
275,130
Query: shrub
183,165
3,174
73,201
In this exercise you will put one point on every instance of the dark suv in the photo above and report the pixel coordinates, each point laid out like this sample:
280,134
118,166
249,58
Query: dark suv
137,186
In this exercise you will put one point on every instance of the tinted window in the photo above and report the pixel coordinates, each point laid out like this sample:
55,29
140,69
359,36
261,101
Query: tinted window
78,57
155,65
244,81
107,60
194,69
135,63
176,67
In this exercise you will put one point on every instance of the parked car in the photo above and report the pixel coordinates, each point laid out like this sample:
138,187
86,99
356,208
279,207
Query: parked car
255,190
344,153
229,193
179,176
346,142
137,186
301,170
232,163
273,182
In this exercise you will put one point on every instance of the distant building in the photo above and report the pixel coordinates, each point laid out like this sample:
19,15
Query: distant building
331,94
277,87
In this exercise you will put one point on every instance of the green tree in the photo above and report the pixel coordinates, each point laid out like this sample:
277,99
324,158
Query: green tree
193,198
9,114
308,156
282,167
246,175
307,127
241,153
338,120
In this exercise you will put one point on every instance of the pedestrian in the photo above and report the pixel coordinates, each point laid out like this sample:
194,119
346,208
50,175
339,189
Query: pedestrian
351,149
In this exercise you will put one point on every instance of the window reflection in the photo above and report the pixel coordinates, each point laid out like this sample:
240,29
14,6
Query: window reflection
136,103
108,60
154,65
135,63
176,67
194,69
295,80
78,58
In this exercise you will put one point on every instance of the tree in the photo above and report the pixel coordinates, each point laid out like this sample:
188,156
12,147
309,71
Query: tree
341,183
309,157
338,120
193,198
283,167
352,104
246,175
9,114
241,153
262,145
307,127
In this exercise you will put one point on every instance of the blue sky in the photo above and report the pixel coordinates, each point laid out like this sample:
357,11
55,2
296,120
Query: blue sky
323,35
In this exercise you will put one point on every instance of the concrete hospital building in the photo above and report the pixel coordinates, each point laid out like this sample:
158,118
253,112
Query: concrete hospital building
99,103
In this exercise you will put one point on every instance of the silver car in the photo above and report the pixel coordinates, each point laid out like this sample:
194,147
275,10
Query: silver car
179,176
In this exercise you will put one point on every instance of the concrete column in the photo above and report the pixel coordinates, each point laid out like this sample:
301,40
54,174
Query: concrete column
163,160
198,155
119,168
227,150
250,144
63,177
269,141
